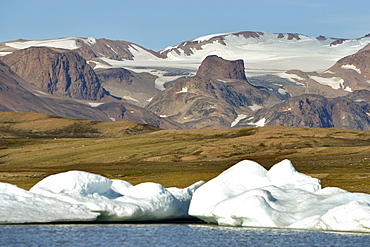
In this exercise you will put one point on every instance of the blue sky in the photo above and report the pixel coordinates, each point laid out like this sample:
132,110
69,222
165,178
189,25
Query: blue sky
156,24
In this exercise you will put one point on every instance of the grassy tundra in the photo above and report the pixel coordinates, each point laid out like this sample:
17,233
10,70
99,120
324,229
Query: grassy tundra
33,146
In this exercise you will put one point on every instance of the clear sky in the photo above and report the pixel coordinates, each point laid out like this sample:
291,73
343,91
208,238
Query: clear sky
156,24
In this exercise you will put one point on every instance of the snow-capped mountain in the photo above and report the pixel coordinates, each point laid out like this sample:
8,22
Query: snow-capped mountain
265,52
278,66
262,52
89,48
348,74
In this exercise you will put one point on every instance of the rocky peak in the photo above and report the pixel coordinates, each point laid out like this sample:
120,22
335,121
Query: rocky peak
57,71
218,68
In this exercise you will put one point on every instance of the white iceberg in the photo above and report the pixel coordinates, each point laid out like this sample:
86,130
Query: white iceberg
81,196
249,195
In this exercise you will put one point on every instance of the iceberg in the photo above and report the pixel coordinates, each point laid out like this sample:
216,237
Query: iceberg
246,195
249,195
81,196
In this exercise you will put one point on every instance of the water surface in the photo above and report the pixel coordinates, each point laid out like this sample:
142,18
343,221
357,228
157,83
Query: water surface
169,235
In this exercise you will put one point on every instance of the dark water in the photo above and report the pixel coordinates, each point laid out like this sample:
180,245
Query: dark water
169,235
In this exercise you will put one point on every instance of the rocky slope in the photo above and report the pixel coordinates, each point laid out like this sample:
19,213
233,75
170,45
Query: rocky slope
136,88
214,97
18,95
89,48
346,75
58,72
316,111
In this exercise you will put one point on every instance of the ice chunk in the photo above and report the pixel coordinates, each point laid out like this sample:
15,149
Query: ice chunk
21,206
82,196
248,195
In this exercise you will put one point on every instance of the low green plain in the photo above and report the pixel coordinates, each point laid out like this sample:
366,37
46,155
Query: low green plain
34,146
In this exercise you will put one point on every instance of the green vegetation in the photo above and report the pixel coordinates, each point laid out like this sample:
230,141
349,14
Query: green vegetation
140,153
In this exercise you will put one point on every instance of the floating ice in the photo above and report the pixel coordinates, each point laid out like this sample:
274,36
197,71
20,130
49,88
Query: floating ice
82,196
244,195
248,195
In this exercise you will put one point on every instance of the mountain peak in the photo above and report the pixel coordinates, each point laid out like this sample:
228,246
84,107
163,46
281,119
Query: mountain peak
216,67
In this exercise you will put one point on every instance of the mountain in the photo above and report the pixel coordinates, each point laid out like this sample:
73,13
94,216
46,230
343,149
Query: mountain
56,71
136,88
214,97
202,83
265,52
89,48
316,111
18,95
216,67
262,52
348,74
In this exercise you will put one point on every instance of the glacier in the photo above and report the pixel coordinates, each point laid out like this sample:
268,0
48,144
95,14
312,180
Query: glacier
245,195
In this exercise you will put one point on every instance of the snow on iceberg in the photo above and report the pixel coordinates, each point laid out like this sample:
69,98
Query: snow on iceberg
249,195
82,196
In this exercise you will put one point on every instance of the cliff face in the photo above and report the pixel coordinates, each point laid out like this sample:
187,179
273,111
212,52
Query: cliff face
56,71
219,68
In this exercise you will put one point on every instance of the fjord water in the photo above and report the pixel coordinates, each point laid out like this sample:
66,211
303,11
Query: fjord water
169,235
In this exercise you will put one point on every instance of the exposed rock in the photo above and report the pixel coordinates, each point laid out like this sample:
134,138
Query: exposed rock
213,98
112,49
17,95
218,68
316,111
56,71
349,74
136,88
121,111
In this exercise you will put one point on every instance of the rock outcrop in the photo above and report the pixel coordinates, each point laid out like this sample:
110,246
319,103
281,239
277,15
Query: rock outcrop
218,68
213,98
56,71
316,111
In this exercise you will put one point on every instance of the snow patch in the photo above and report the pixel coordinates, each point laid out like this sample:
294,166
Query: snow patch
63,43
94,104
328,72
333,82
90,41
255,107
259,123
130,98
111,48
222,80
351,66
282,91
208,37
237,119
290,77
183,90
4,53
